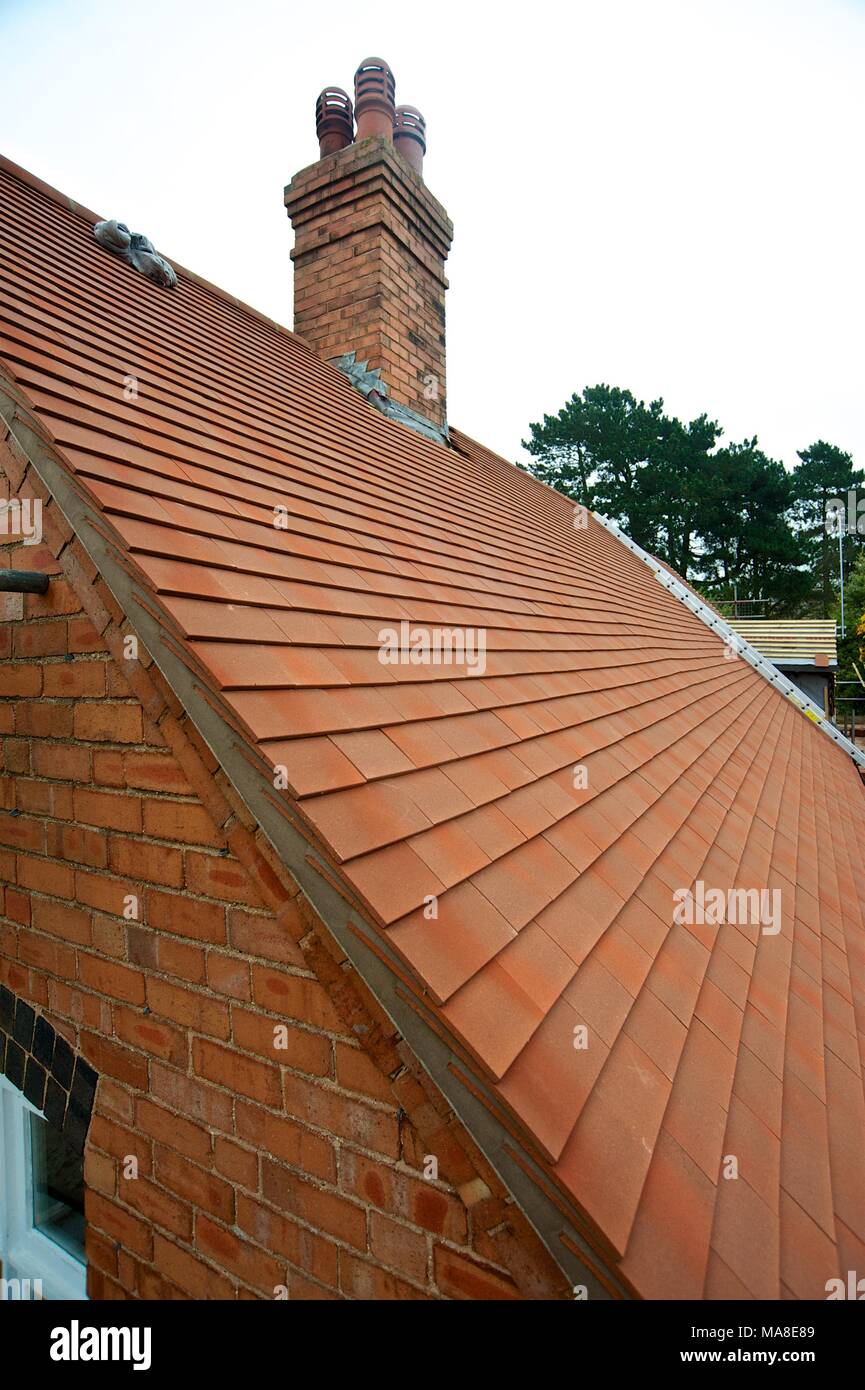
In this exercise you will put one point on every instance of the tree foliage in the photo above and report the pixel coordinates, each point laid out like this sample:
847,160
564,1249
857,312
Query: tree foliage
726,516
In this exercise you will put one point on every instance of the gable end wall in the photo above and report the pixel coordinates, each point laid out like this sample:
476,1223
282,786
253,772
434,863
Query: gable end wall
258,1168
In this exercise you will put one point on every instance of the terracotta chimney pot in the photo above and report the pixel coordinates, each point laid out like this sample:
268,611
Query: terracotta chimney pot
374,98
334,120
409,136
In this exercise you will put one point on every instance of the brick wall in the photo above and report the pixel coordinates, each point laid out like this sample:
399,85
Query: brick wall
369,256
144,917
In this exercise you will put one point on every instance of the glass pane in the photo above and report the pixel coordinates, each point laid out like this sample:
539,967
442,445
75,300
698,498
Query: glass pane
58,1187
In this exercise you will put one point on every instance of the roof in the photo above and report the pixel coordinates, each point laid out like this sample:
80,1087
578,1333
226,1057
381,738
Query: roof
795,641
555,899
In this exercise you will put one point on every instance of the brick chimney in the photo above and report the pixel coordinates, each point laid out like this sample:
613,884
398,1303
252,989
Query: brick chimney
370,248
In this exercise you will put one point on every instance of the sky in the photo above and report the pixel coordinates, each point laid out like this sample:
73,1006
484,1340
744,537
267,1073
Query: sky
664,195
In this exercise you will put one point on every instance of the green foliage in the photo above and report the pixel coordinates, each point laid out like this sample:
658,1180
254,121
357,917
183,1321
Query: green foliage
851,647
729,519
824,472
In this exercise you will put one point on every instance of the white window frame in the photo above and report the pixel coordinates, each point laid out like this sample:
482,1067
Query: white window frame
26,1253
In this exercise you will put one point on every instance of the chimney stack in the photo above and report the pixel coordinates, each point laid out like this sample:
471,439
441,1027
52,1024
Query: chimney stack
371,244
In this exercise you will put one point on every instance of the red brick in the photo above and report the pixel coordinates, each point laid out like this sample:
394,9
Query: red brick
315,1206
83,637
80,846
228,975
152,1035
121,1143
278,1233
70,924
459,1277
363,1279
284,1139
77,680
108,721
44,720
64,764
351,1119
194,1184
181,960
191,1097
173,1130
218,877
109,936
179,820
185,916
296,997
304,1051
152,1288
259,935
156,772
401,1194
398,1247
238,1164
115,1061
17,906
114,811
20,680
108,768
157,1206
46,954
236,1072
146,863
100,891
249,1263
189,1008
20,832
40,639
118,1224
100,1252
189,1273
84,1010
34,798
112,979
16,758
356,1071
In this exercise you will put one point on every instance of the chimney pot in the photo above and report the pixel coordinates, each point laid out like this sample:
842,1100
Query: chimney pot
334,120
374,98
409,136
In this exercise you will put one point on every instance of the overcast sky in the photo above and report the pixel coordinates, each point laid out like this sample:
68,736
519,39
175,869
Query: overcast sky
659,195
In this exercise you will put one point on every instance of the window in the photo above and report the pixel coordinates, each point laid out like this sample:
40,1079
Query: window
41,1205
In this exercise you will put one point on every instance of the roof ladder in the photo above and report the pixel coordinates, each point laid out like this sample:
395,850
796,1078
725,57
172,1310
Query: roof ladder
735,641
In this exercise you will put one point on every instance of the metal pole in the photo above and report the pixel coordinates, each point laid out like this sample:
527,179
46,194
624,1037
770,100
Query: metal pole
841,560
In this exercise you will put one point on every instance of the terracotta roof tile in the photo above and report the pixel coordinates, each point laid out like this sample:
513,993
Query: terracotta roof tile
428,787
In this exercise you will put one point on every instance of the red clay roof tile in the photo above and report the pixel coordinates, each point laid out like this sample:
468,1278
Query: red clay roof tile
429,786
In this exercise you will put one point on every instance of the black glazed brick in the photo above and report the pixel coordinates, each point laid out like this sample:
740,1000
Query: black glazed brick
43,1042
62,1063
2,1053
55,1103
83,1087
75,1126
15,1058
22,1029
34,1083
7,1008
